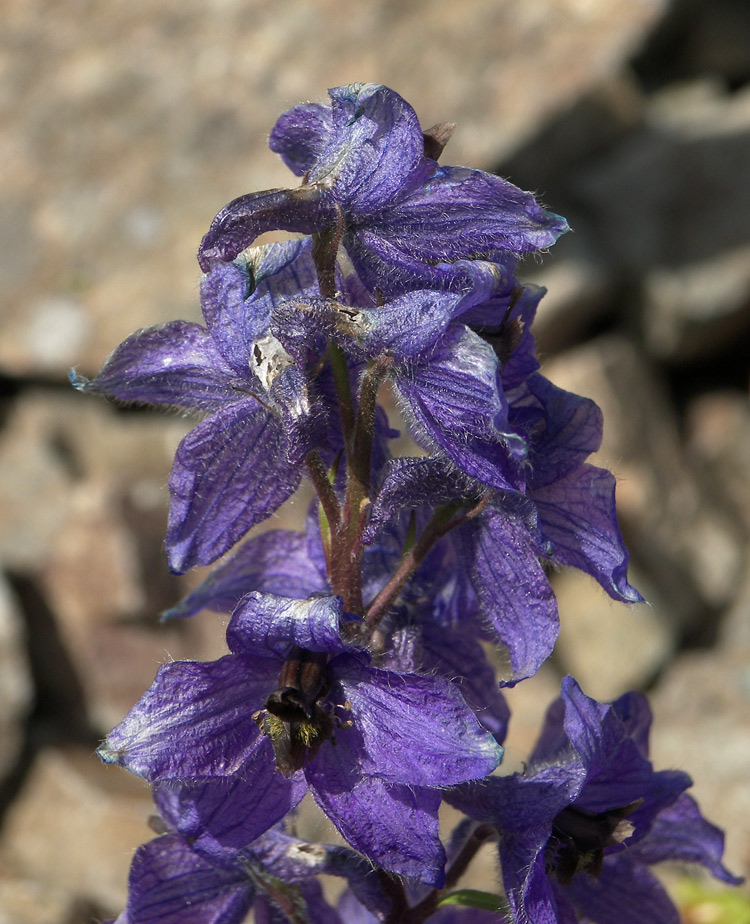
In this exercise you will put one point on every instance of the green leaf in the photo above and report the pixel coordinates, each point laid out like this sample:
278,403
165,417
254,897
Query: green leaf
473,898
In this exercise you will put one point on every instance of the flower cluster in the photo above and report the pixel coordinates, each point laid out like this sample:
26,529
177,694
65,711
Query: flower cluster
357,664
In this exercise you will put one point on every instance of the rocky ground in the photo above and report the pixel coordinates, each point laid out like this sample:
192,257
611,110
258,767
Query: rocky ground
131,124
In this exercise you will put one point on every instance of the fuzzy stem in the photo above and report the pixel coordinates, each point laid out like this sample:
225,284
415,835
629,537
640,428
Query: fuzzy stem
439,526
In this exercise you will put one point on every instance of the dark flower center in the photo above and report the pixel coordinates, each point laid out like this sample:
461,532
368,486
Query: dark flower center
295,717
579,838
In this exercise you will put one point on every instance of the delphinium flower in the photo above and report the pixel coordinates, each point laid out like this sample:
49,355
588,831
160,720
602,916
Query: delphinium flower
374,746
579,828
357,668
370,172
175,880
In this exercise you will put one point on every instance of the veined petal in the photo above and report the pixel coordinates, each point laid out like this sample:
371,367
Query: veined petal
387,264
461,213
275,562
617,772
194,721
410,483
512,588
375,151
269,623
416,729
175,363
235,319
225,814
454,652
408,327
229,473
456,403
577,513
171,884
681,833
395,826
306,209
301,135
623,893
568,431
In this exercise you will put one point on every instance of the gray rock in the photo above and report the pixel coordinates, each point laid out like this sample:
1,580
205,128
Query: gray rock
669,207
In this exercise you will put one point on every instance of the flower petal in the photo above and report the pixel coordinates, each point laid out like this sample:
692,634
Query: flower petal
415,729
175,363
512,588
681,833
395,826
275,562
454,652
461,213
229,473
301,135
456,403
171,884
269,623
221,815
236,319
577,513
375,152
306,209
623,893
410,483
194,721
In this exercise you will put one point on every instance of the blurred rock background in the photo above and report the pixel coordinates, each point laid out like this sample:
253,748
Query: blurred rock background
127,126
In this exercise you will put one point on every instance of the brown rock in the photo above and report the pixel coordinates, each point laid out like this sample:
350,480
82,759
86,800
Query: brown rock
702,725
16,693
608,647
686,545
73,830
132,133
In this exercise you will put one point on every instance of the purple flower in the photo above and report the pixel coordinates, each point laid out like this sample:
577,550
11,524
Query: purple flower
561,510
291,688
579,828
240,463
363,161
178,881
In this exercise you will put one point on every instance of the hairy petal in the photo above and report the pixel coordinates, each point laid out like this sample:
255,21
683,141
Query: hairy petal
221,815
512,588
269,623
301,135
176,364
577,513
171,884
375,151
306,209
229,473
395,826
454,652
416,729
623,893
275,562
410,483
194,721
235,320
461,212
457,404
680,832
